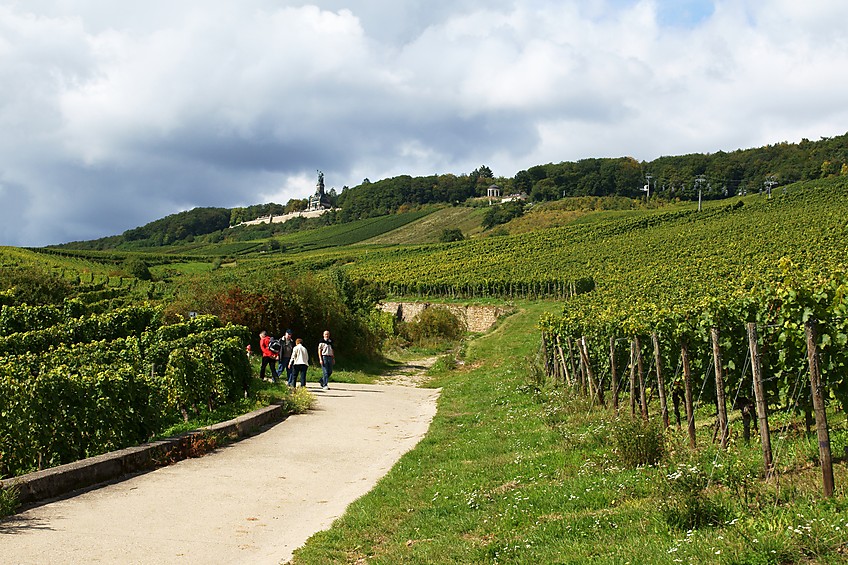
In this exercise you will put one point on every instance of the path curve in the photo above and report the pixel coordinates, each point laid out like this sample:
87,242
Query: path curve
251,502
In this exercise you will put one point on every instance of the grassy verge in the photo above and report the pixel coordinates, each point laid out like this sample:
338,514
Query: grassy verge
514,474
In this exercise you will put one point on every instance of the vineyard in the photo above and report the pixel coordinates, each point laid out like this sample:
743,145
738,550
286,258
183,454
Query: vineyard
75,382
652,305
669,255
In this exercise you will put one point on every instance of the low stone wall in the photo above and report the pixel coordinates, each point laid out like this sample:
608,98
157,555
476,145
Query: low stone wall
477,318
282,218
64,479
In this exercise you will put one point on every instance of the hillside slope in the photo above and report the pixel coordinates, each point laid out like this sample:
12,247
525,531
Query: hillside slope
430,228
632,253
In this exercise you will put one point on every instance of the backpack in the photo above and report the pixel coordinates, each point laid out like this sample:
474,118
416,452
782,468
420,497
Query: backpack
275,345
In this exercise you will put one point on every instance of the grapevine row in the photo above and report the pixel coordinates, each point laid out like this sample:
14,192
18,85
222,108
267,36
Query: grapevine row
62,400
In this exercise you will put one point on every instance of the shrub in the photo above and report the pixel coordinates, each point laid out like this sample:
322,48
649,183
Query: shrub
451,234
436,322
138,269
444,364
32,285
637,443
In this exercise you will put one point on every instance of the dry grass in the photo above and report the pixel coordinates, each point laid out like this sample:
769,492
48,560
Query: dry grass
429,228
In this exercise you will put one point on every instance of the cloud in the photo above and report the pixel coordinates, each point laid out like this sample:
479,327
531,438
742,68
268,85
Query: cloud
120,114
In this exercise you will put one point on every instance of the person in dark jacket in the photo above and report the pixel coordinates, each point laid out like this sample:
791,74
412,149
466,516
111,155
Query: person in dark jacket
286,348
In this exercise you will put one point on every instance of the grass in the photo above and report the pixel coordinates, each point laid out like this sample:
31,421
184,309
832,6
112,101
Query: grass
514,473
8,500
262,394
349,233
429,229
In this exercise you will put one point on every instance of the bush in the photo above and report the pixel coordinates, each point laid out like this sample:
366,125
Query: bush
451,234
435,322
137,268
637,443
502,214
32,285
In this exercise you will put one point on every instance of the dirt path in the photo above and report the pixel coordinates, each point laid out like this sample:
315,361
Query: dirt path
254,501
410,374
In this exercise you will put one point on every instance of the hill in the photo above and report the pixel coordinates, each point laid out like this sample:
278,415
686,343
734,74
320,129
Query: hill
534,472
429,229
719,248
673,178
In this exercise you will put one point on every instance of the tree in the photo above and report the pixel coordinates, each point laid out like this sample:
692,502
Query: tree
451,234
137,268
501,214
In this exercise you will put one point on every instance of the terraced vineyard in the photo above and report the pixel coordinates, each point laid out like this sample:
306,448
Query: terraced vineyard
666,254
350,233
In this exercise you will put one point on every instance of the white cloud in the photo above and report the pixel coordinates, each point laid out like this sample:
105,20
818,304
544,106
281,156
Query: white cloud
118,114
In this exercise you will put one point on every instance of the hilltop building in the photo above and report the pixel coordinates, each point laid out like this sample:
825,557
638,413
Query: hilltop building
493,192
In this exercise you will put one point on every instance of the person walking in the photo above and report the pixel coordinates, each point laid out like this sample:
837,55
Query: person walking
268,356
327,359
286,347
298,363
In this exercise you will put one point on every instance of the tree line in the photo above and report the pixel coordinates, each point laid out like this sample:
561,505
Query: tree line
684,177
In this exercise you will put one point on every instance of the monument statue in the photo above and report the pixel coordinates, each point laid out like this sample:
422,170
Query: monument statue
320,200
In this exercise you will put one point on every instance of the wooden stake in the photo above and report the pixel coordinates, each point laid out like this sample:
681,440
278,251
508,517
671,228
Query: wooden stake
614,376
759,398
721,405
818,405
566,377
660,381
643,399
632,378
687,383
571,361
597,388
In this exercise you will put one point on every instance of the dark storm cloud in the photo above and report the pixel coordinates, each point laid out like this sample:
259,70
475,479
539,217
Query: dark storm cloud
116,114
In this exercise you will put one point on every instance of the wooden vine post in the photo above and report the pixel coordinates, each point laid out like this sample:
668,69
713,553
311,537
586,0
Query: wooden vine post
660,382
594,385
614,375
687,384
721,405
558,375
571,362
632,379
640,366
566,377
759,398
545,354
586,363
818,405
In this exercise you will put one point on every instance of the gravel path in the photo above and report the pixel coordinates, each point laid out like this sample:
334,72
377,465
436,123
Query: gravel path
252,502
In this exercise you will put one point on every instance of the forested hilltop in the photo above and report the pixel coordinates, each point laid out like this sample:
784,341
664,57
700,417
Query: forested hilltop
685,177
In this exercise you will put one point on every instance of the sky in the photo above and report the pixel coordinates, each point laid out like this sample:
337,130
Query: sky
115,114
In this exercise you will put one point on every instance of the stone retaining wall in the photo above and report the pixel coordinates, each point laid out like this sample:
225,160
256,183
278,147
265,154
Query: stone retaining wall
64,479
477,318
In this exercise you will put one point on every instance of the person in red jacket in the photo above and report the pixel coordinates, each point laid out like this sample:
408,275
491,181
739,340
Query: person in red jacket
268,356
